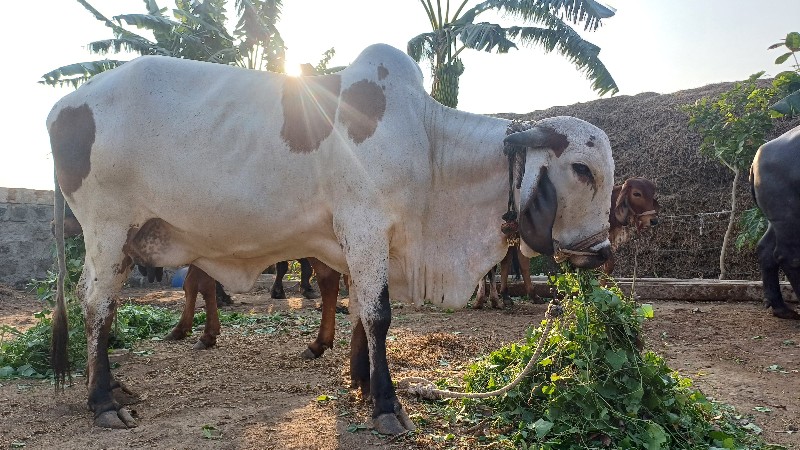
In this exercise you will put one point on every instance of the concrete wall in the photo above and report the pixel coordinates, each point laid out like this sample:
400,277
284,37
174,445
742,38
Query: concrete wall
26,244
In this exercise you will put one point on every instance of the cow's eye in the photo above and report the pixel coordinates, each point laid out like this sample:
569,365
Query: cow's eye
583,172
637,194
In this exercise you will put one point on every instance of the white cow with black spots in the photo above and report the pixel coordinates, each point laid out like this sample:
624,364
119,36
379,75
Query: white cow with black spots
395,188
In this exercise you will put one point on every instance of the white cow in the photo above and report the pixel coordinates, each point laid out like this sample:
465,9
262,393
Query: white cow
395,188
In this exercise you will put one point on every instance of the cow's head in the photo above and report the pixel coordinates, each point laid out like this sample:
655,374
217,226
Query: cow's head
636,203
565,192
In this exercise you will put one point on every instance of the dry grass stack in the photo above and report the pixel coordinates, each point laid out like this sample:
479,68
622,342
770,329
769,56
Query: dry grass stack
650,137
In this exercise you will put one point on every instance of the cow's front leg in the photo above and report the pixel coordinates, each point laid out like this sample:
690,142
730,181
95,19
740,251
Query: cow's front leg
367,258
388,416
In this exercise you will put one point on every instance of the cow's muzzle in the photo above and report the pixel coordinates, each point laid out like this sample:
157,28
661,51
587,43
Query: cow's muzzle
587,254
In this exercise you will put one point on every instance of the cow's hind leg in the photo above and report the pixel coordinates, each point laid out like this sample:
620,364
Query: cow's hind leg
480,293
770,271
494,297
105,271
277,287
208,288
306,272
525,272
328,280
191,286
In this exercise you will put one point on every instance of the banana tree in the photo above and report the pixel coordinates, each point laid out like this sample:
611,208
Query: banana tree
195,30
544,25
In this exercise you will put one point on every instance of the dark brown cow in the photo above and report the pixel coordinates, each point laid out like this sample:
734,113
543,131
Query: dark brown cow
634,209
197,281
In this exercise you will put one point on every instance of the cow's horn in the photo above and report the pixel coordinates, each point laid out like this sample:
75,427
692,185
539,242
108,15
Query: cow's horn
533,137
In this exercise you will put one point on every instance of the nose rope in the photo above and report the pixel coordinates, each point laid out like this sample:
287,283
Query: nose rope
561,253
516,169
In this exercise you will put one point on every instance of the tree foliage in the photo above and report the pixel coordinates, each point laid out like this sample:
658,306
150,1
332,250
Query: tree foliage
192,30
543,24
732,129
789,80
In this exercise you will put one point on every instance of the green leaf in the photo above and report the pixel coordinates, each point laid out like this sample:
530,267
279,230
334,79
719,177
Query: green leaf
782,59
753,428
789,105
656,436
354,427
647,310
616,359
542,427
211,432
793,41
6,372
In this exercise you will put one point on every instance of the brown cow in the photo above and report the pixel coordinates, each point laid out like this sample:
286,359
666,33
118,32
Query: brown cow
197,281
634,209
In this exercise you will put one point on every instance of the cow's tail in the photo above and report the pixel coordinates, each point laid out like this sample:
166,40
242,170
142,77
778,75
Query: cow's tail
753,187
59,358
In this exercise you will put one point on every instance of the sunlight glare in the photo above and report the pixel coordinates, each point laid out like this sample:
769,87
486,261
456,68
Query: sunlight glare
292,69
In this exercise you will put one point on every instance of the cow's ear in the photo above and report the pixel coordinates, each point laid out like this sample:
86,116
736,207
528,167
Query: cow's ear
540,211
621,209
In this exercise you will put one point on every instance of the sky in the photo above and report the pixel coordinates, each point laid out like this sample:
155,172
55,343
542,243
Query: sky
648,46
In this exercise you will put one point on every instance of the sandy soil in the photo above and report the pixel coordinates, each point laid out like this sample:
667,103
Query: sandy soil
253,390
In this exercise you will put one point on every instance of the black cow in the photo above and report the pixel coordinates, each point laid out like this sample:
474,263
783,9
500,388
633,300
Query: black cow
775,184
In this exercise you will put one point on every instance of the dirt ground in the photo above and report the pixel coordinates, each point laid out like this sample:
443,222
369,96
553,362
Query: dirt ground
253,390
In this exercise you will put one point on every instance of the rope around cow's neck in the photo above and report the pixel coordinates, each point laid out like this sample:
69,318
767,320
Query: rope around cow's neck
426,389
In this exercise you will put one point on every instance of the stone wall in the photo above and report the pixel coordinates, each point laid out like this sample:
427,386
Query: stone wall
26,244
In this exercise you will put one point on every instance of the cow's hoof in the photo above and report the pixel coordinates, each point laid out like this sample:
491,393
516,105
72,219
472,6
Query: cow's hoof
175,335
200,345
393,423
785,313
309,354
310,293
277,294
115,419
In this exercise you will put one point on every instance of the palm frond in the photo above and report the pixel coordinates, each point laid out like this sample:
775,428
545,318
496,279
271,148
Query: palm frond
578,51
588,12
152,8
485,37
76,74
422,46
99,16
135,44
202,24
251,25
155,23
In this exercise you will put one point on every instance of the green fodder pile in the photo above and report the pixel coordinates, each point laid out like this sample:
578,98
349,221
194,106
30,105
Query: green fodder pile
594,387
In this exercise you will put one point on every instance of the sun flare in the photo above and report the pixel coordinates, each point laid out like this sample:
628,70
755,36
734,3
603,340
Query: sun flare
292,69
